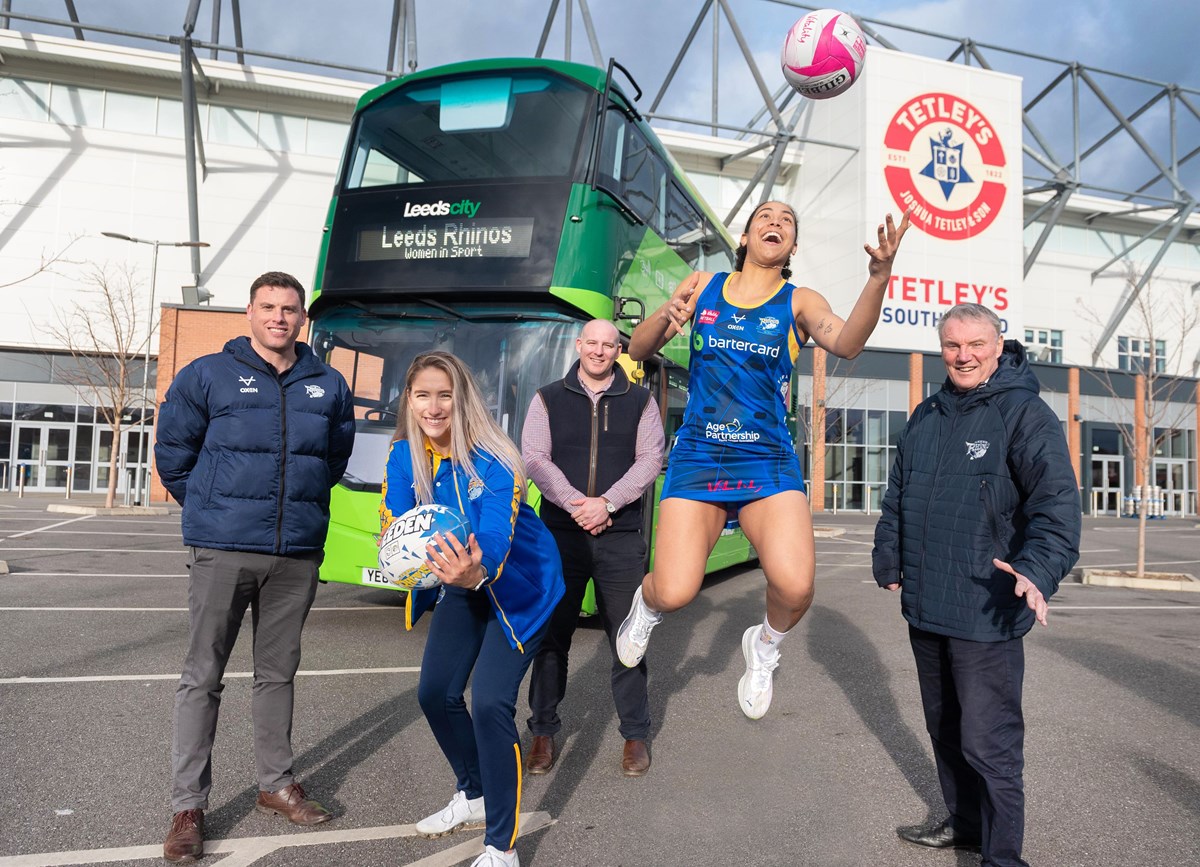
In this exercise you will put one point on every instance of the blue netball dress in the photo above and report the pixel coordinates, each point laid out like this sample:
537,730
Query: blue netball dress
734,446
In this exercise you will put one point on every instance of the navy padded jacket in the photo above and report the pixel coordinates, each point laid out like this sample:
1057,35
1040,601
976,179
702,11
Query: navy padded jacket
977,475
251,455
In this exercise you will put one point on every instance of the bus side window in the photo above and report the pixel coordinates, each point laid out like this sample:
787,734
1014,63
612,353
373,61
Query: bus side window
635,170
683,227
675,400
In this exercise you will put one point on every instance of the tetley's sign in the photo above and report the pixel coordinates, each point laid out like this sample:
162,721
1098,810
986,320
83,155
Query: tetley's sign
943,159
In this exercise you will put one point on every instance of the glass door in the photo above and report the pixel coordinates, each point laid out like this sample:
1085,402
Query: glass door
43,456
1169,475
1107,483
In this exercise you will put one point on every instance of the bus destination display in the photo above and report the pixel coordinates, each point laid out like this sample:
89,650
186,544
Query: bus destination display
446,239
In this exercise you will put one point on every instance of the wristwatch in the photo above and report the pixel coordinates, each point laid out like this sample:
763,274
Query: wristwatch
609,506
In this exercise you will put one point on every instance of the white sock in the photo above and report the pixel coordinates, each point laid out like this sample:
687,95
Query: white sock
767,645
640,601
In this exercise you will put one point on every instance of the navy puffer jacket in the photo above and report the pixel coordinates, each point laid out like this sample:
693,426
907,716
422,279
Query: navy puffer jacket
250,454
980,474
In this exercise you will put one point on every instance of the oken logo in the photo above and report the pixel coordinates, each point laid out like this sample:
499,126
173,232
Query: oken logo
247,385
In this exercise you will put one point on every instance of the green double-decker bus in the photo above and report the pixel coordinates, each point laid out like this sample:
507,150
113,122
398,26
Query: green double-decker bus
489,209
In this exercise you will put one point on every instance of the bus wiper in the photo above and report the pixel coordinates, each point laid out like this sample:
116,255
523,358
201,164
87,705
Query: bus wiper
437,305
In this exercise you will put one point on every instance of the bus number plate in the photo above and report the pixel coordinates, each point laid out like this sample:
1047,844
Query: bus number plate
374,576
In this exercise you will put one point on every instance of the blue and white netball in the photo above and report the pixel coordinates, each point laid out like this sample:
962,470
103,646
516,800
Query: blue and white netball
402,557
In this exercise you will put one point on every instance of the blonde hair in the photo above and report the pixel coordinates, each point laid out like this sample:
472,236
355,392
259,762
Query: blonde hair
472,427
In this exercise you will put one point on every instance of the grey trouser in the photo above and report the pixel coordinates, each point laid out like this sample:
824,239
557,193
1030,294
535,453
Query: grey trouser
280,591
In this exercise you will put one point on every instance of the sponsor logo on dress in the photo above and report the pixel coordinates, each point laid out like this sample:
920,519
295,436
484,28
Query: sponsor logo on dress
749,486
730,433
708,317
742,345
314,391
977,449
736,324
247,385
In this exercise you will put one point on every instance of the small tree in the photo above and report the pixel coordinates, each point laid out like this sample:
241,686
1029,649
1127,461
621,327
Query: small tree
1159,315
104,334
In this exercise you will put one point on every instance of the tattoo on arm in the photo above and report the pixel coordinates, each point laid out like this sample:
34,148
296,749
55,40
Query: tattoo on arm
825,326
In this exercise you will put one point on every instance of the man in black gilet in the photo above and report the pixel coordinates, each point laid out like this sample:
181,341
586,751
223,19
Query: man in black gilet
592,443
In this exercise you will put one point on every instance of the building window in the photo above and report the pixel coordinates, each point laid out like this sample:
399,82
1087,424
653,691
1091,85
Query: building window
1044,344
1135,355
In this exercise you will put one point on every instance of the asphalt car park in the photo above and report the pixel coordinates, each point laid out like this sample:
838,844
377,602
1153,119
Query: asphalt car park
93,627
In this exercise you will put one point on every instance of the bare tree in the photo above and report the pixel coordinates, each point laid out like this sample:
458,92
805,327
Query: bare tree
104,334
1157,314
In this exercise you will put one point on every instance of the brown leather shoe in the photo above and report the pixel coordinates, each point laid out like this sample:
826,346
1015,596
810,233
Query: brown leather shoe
185,840
635,760
292,803
541,755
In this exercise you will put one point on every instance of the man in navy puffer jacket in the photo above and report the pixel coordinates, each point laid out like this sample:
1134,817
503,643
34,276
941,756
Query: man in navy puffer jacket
250,440
979,524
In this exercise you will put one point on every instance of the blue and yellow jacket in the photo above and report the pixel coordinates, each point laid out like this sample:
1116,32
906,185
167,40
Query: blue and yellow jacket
524,569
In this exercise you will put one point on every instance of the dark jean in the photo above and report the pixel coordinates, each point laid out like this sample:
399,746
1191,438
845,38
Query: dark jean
971,693
617,563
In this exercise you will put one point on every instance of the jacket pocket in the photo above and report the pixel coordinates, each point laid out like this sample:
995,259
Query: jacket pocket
991,512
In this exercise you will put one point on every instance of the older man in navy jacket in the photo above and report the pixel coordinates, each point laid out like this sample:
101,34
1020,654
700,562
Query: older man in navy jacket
980,522
250,440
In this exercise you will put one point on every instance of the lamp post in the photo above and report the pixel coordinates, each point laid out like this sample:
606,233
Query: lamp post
149,334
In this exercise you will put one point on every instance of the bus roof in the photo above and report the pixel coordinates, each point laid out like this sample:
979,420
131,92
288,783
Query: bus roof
587,75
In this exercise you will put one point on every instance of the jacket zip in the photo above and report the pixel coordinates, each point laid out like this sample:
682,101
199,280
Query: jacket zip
282,462
592,456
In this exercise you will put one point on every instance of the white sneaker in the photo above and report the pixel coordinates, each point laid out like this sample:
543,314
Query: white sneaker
634,634
493,857
459,813
756,688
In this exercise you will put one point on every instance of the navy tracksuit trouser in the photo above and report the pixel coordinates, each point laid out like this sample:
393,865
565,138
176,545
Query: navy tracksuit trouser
971,692
482,745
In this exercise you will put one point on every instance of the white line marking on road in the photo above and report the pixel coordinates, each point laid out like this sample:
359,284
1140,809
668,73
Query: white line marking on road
97,575
242,851
114,678
148,608
7,549
1054,607
51,527
103,533
1148,564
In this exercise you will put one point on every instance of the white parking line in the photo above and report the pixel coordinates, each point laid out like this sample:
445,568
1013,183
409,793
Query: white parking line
113,678
1054,607
96,532
117,608
51,527
180,550
243,851
1148,564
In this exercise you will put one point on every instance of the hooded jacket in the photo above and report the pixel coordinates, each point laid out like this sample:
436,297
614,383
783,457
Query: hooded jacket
524,570
978,475
252,454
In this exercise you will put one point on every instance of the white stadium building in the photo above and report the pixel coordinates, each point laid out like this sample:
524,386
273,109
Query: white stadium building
1087,247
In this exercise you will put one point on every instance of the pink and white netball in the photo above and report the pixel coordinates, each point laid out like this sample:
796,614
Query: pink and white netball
823,54
402,557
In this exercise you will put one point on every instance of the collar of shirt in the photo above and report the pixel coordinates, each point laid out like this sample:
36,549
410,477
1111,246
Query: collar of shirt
594,393
435,457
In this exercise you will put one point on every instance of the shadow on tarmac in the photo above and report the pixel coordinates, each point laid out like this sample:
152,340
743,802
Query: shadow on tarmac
848,656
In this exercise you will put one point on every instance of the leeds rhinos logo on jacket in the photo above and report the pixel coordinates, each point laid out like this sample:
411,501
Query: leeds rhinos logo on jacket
977,449
314,391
